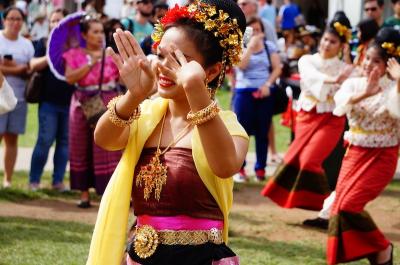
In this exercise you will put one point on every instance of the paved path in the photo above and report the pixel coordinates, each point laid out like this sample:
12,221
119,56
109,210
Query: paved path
25,154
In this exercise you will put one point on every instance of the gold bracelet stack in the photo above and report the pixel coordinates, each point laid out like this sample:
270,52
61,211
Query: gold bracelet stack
115,119
204,115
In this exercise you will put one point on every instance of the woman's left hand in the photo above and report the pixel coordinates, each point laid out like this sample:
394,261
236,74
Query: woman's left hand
182,72
265,90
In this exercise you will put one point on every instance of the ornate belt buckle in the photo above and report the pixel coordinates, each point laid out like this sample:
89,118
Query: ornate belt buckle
146,241
214,236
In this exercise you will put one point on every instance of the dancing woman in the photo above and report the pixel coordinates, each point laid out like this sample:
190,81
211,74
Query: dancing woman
300,181
180,149
371,104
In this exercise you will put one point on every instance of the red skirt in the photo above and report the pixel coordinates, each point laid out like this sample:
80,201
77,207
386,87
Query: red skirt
300,182
364,174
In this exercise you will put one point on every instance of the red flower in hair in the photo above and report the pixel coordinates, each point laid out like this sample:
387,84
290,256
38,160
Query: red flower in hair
174,14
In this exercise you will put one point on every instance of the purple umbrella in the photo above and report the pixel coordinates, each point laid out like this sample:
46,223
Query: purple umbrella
65,36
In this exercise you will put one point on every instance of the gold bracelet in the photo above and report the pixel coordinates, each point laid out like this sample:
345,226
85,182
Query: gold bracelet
203,115
115,119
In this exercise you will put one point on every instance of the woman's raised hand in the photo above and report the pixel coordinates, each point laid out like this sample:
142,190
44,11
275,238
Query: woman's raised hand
133,65
177,68
373,83
393,67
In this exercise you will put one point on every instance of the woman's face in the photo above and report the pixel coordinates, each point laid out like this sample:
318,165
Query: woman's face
167,88
373,60
257,29
55,19
330,45
94,37
13,22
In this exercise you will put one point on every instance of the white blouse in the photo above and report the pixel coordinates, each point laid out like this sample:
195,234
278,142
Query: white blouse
8,101
313,71
374,121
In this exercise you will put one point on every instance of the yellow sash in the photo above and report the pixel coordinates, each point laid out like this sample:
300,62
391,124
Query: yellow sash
109,236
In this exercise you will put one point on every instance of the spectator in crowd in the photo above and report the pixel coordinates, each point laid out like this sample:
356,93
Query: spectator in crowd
128,9
16,51
40,28
366,31
90,166
109,29
268,11
53,112
288,14
8,101
374,9
140,25
249,8
394,21
256,74
159,10
309,38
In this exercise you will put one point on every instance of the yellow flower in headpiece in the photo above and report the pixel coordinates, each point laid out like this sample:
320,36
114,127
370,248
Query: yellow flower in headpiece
391,48
342,30
220,24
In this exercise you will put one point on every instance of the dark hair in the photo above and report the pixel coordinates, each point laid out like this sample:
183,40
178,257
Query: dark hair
255,19
109,30
368,29
388,35
63,11
86,21
11,8
395,1
379,2
340,17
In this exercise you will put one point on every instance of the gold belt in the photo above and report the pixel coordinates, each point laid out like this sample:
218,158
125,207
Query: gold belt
147,238
359,130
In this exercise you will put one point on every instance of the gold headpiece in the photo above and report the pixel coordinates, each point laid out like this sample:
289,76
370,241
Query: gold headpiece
223,27
342,30
391,48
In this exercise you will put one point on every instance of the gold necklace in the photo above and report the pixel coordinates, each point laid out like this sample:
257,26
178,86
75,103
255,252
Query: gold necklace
154,174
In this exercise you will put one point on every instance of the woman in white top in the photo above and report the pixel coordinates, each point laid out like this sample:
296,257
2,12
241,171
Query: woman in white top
372,106
301,182
16,52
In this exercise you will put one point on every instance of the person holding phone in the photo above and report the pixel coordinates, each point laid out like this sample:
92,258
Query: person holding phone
252,103
16,52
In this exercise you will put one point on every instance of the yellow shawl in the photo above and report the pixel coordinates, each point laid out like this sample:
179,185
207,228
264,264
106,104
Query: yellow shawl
109,234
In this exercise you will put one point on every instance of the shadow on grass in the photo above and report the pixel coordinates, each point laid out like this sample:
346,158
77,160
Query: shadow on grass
260,251
18,194
15,229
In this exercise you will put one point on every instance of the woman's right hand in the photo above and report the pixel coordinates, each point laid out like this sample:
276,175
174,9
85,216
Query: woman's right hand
254,41
373,83
393,67
133,65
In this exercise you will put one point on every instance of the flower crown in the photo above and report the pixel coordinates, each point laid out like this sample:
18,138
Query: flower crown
391,48
219,23
342,30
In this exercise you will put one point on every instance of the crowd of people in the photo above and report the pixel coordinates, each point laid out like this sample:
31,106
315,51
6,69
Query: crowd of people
139,122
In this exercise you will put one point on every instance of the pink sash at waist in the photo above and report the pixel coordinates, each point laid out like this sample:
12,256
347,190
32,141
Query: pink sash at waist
179,222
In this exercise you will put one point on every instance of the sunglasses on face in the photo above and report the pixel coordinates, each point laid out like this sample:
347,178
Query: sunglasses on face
372,9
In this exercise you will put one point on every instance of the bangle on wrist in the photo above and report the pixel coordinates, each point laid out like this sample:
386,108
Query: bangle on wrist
203,115
115,119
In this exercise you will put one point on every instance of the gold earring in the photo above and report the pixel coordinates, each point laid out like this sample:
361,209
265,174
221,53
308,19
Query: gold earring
210,91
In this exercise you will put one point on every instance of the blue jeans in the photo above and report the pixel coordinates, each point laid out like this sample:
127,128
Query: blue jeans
255,115
53,126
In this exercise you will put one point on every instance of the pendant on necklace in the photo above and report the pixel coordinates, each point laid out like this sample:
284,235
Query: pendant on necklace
154,176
